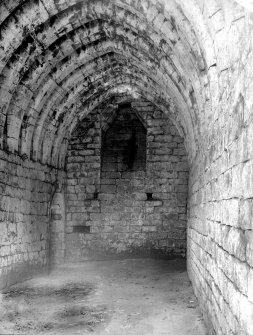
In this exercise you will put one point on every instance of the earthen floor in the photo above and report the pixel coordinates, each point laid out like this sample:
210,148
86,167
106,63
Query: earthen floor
121,297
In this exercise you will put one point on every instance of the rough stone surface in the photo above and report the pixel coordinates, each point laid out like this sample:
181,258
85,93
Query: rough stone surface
25,199
57,228
111,197
60,61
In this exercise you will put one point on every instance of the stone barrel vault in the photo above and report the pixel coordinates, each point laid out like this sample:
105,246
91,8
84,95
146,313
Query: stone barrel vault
183,71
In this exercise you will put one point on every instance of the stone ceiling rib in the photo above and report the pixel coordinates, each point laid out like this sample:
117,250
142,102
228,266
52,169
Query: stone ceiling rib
52,52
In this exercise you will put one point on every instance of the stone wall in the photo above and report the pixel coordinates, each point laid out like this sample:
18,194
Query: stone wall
26,189
83,182
126,210
220,237
60,59
220,217
57,224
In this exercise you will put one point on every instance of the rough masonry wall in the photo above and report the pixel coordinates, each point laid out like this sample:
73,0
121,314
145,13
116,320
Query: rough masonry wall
83,181
25,190
220,237
220,216
111,198
57,246
60,59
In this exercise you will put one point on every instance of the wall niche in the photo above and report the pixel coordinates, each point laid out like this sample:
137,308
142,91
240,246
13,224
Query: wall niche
124,143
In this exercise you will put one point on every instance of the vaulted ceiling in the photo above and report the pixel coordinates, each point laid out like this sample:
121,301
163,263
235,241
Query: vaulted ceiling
61,59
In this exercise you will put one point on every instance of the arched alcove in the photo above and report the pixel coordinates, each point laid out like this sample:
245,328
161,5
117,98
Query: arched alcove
124,143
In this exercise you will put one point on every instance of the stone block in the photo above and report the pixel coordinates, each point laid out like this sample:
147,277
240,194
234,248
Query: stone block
139,196
247,180
246,214
246,315
90,189
149,229
235,243
135,229
179,152
79,217
250,285
230,212
182,167
107,181
121,228
249,248
108,189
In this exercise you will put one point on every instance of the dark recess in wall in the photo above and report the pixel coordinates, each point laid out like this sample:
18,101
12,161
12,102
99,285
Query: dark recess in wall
81,229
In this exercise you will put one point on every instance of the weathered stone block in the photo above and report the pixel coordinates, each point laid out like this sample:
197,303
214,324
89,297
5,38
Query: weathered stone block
149,229
108,189
246,214
249,248
250,285
230,212
247,180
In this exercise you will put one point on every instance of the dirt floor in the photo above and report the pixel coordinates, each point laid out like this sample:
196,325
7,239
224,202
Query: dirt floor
126,297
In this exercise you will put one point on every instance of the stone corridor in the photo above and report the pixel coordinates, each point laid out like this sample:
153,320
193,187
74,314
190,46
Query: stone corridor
126,132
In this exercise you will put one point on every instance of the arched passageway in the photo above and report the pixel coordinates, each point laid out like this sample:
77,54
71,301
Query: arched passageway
67,64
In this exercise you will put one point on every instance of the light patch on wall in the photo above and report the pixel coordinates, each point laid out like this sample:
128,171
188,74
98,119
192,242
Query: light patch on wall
128,89
246,3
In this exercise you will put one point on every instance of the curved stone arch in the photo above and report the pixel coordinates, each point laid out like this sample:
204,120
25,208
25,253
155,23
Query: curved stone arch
139,65
141,20
45,98
55,85
154,40
106,106
48,14
71,115
89,105
122,71
156,99
75,97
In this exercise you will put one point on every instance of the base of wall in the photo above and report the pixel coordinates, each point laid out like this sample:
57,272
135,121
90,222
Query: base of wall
197,291
21,272
90,255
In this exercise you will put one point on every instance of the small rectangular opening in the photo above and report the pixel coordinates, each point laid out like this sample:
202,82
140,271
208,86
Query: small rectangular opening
149,196
81,229
95,196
